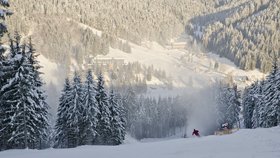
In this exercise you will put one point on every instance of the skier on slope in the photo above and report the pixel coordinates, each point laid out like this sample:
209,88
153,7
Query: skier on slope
196,133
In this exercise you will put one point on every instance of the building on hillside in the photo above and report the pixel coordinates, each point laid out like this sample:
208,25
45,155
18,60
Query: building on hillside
108,61
177,45
111,63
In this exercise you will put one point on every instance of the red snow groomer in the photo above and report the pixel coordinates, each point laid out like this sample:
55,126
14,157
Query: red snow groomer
195,133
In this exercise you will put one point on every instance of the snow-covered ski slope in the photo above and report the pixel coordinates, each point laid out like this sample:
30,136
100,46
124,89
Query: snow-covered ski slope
257,143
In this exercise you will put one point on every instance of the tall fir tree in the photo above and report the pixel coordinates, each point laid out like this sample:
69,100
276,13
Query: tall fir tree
122,114
248,103
75,112
269,115
4,4
91,111
130,104
259,95
222,100
104,117
117,124
40,97
7,72
233,109
228,105
62,126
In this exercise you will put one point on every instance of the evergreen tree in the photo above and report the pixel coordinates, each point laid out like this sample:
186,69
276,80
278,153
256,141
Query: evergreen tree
62,128
122,114
40,97
233,109
117,125
74,114
130,105
276,108
91,110
7,71
104,117
275,111
228,105
271,95
248,102
259,108
3,29
222,100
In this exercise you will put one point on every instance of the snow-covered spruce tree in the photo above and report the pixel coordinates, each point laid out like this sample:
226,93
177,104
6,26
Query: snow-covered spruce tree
275,112
222,102
4,4
75,111
25,110
10,95
137,128
228,105
40,98
122,114
233,110
6,72
91,110
62,126
259,108
271,94
104,117
117,125
130,106
248,103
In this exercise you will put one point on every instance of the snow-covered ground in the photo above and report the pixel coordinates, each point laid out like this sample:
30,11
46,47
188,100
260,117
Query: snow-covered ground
258,143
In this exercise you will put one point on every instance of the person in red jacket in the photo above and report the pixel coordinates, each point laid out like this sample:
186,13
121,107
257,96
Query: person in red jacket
196,133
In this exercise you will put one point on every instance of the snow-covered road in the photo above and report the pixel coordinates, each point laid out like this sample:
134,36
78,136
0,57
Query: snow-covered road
259,143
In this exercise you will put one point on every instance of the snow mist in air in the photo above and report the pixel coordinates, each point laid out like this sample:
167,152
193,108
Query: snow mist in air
201,111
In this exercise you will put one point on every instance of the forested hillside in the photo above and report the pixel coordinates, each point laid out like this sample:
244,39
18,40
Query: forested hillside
64,28
245,31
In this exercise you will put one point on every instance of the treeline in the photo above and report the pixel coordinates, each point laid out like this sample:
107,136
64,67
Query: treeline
155,117
247,34
132,74
88,115
261,101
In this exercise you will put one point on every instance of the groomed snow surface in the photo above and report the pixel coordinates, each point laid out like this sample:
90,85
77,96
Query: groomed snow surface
257,143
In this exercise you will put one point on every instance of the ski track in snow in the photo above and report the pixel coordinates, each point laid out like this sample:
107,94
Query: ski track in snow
257,143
